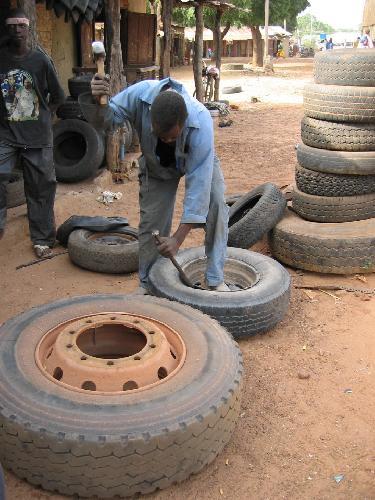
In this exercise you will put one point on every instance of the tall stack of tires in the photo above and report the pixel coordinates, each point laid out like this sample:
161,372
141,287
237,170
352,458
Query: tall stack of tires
331,227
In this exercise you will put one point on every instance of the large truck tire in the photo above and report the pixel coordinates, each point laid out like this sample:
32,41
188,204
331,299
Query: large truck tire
338,136
344,248
339,104
259,296
324,184
62,428
332,208
336,162
78,150
254,214
350,67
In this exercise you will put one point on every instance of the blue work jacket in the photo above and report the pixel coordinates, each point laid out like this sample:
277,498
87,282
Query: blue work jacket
194,147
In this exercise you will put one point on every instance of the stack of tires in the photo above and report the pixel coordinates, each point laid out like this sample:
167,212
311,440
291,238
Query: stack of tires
332,226
79,149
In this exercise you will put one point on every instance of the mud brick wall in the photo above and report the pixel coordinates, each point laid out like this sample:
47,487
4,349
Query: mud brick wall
44,26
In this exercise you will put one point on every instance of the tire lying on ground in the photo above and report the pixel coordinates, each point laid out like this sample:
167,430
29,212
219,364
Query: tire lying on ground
338,136
345,67
332,208
231,199
339,104
336,162
78,150
260,296
322,184
111,252
253,215
15,191
232,90
87,442
344,248
69,109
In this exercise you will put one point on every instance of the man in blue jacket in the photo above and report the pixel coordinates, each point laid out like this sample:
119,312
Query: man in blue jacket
176,138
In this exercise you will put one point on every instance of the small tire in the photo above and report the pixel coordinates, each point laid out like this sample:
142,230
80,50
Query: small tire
345,248
231,199
325,184
338,136
339,104
78,150
232,90
332,208
90,444
336,162
111,252
69,109
348,67
15,191
253,215
79,85
244,312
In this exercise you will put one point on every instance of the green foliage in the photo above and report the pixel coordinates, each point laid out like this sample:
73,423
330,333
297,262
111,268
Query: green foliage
309,23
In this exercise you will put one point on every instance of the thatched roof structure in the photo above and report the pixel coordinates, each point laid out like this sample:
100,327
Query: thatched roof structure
369,14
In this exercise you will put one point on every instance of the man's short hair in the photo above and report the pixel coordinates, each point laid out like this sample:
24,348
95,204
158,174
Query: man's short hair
16,13
167,111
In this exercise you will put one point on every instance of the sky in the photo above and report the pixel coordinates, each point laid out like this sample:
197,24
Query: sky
345,14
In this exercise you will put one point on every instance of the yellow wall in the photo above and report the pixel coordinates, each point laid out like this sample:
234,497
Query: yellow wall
137,6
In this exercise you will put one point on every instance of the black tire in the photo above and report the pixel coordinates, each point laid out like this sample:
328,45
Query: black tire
231,199
93,444
78,150
232,90
345,248
70,109
79,84
345,67
322,184
111,252
336,162
332,208
338,136
15,191
253,215
243,312
340,104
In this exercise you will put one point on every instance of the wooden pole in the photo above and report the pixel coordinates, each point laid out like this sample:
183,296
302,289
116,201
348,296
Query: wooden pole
218,50
166,15
198,52
266,23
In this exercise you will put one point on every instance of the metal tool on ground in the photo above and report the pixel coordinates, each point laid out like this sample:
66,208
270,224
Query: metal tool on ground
98,51
181,272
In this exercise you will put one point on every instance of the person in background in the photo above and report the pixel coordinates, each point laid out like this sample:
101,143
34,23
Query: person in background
356,42
366,41
329,44
29,93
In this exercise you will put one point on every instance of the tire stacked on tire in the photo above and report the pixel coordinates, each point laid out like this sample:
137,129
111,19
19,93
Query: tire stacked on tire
335,178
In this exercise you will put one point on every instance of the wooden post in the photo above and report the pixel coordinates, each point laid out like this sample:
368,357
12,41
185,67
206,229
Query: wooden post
266,22
28,6
198,52
165,59
218,50
87,37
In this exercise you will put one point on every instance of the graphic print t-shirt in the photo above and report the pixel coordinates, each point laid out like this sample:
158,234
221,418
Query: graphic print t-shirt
25,83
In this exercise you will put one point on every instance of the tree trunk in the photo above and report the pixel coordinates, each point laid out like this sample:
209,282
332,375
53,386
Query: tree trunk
28,6
198,52
257,47
218,47
115,69
165,59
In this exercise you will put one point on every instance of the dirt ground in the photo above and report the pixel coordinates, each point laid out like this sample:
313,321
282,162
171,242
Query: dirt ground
294,434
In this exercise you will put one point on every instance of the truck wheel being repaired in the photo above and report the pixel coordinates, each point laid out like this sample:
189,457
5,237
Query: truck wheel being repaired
259,296
97,402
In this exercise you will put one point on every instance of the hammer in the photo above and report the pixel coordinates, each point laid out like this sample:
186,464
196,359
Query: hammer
98,51
185,280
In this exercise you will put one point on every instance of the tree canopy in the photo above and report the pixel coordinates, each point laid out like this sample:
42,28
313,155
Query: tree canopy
310,24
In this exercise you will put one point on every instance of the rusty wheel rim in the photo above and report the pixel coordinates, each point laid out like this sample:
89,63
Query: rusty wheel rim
112,238
110,353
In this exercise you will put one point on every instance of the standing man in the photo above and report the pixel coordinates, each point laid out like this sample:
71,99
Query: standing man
30,93
177,139
365,41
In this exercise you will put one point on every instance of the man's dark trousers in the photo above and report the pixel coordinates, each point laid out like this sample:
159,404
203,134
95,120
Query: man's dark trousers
40,188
